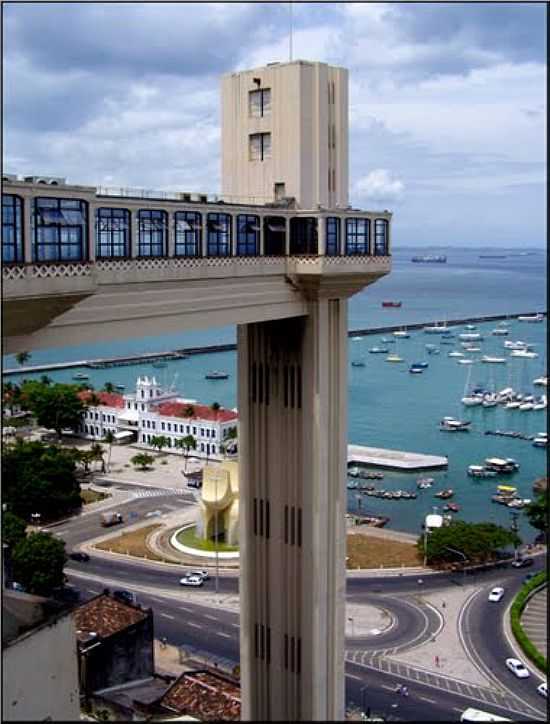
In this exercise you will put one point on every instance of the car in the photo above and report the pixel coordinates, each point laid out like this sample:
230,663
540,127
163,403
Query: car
79,556
202,573
125,596
496,594
15,586
522,562
543,689
517,668
194,581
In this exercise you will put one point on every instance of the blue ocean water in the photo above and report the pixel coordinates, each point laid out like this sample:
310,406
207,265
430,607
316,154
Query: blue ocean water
388,406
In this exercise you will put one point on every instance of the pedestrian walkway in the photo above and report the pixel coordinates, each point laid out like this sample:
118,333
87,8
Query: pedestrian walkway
534,620
482,694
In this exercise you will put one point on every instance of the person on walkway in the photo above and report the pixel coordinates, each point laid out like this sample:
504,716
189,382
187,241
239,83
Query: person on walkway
437,660
405,690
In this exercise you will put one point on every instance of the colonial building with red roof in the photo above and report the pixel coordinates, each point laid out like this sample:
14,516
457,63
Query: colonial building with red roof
151,412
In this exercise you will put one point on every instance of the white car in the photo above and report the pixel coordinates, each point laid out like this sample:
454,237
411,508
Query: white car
194,581
517,668
201,573
543,689
496,594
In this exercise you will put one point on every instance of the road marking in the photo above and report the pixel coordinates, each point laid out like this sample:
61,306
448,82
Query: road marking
166,615
195,625
455,708
353,676
158,600
390,688
91,590
425,698
184,608
212,618
221,633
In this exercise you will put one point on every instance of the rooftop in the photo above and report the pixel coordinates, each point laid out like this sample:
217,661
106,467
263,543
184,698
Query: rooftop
207,695
109,399
200,412
104,616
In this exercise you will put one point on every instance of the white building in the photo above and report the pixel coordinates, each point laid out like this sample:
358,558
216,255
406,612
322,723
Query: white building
151,411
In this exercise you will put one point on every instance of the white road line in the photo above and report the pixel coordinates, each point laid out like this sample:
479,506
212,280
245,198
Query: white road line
212,618
221,633
91,590
184,608
166,615
390,688
425,698
353,676
195,625
455,708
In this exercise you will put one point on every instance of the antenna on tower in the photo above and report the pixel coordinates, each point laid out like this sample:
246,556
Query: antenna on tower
290,31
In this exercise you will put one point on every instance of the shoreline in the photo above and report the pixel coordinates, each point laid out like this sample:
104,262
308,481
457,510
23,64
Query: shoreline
107,362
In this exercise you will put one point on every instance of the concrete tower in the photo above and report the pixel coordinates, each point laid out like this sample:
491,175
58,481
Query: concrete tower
285,134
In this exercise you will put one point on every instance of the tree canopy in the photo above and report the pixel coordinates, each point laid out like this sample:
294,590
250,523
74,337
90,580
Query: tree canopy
142,460
38,562
477,541
537,511
39,478
13,529
55,406
160,441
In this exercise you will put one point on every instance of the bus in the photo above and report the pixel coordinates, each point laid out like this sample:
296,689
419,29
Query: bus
475,715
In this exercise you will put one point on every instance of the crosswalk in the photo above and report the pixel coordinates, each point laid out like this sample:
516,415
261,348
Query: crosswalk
160,492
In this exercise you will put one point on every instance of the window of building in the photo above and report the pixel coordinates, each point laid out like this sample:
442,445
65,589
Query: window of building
12,229
381,237
152,232
259,103
248,235
188,233
218,235
332,236
112,233
162,426
194,430
274,235
169,425
357,236
60,229
154,425
303,235
213,434
188,429
259,146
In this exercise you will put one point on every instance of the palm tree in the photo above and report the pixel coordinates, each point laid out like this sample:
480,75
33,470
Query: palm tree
108,387
189,411
142,460
97,454
22,357
159,441
109,438
187,443
215,406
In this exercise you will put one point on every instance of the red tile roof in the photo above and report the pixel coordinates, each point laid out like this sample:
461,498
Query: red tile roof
105,616
109,399
201,412
205,695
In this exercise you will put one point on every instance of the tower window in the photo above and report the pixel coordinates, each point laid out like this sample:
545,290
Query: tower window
259,146
259,103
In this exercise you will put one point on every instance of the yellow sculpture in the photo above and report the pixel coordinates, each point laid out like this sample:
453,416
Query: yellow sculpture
219,503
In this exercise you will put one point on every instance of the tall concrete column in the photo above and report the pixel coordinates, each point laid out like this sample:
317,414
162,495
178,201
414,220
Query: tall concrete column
28,229
321,236
292,439
134,233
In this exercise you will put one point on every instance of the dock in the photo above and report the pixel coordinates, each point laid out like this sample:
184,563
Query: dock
394,459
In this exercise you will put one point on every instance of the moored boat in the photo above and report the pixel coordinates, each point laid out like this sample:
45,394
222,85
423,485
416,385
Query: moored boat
391,304
216,375
378,350
444,494
394,358
478,471
493,360
450,424
357,363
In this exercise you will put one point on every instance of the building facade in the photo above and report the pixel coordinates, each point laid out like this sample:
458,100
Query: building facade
151,411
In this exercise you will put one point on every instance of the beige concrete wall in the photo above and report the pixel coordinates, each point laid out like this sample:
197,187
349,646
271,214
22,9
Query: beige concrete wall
304,106
40,675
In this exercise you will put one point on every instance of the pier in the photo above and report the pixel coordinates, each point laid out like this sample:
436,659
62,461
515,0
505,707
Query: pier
103,363
394,459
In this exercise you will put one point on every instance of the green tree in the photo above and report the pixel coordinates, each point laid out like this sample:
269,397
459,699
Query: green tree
108,387
97,454
45,380
142,460
109,438
22,357
160,441
537,512
13,529
38,562
189,411
55,406
232,433
11,395
38,478
187,444
215,406
477,541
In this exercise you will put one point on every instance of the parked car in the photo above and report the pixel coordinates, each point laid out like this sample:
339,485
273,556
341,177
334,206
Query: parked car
522,563
202,573
194,581
496,594
67,594
543,689
125,597
517,668
79,556
17,587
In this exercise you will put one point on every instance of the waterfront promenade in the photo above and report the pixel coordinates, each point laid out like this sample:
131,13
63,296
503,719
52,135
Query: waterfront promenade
127,360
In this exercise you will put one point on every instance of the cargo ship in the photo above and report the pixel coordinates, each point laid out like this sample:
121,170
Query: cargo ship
430,259
391,304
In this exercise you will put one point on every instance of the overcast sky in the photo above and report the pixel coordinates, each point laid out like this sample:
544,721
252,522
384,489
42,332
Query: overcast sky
447,102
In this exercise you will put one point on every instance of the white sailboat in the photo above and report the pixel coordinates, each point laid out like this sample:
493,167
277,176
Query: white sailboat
469,399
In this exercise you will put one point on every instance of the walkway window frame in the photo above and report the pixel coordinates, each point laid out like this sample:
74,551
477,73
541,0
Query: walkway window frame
333,236
60,229
259,146
381,237
274,235
248,235
187,233
152,233
304,236
113,233
357,236
13,248
218,234
259,103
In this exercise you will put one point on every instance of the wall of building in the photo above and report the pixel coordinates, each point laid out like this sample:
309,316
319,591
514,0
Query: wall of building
40,675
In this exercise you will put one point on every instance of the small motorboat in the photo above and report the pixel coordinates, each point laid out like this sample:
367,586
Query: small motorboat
416,369
357,363
216,375
391,304
425,482
444,494
455,354
523,353
81,376
500,332
394,358
478,471
487,359
465,361
450,424
120,387
401,334
378,350
452,507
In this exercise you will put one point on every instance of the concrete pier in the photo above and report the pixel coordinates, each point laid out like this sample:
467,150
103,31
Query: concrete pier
394,459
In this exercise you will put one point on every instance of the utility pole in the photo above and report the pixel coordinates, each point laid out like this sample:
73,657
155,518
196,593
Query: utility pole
514,528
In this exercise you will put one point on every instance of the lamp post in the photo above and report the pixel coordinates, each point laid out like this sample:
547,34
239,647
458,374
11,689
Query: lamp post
514,528
460,553
350,619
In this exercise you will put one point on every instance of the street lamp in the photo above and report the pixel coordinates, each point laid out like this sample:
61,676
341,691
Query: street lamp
514,528
460,553
350,619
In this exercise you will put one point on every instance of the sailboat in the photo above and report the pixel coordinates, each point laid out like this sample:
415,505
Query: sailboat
394,356
470,399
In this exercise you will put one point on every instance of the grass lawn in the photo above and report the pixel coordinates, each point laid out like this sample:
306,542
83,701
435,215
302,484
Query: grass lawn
92,496
365,551
188,537
133,544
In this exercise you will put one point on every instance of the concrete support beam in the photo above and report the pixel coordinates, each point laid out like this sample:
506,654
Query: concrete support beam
292,437
28,208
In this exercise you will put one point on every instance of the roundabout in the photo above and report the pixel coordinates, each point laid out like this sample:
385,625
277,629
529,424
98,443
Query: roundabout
191,548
